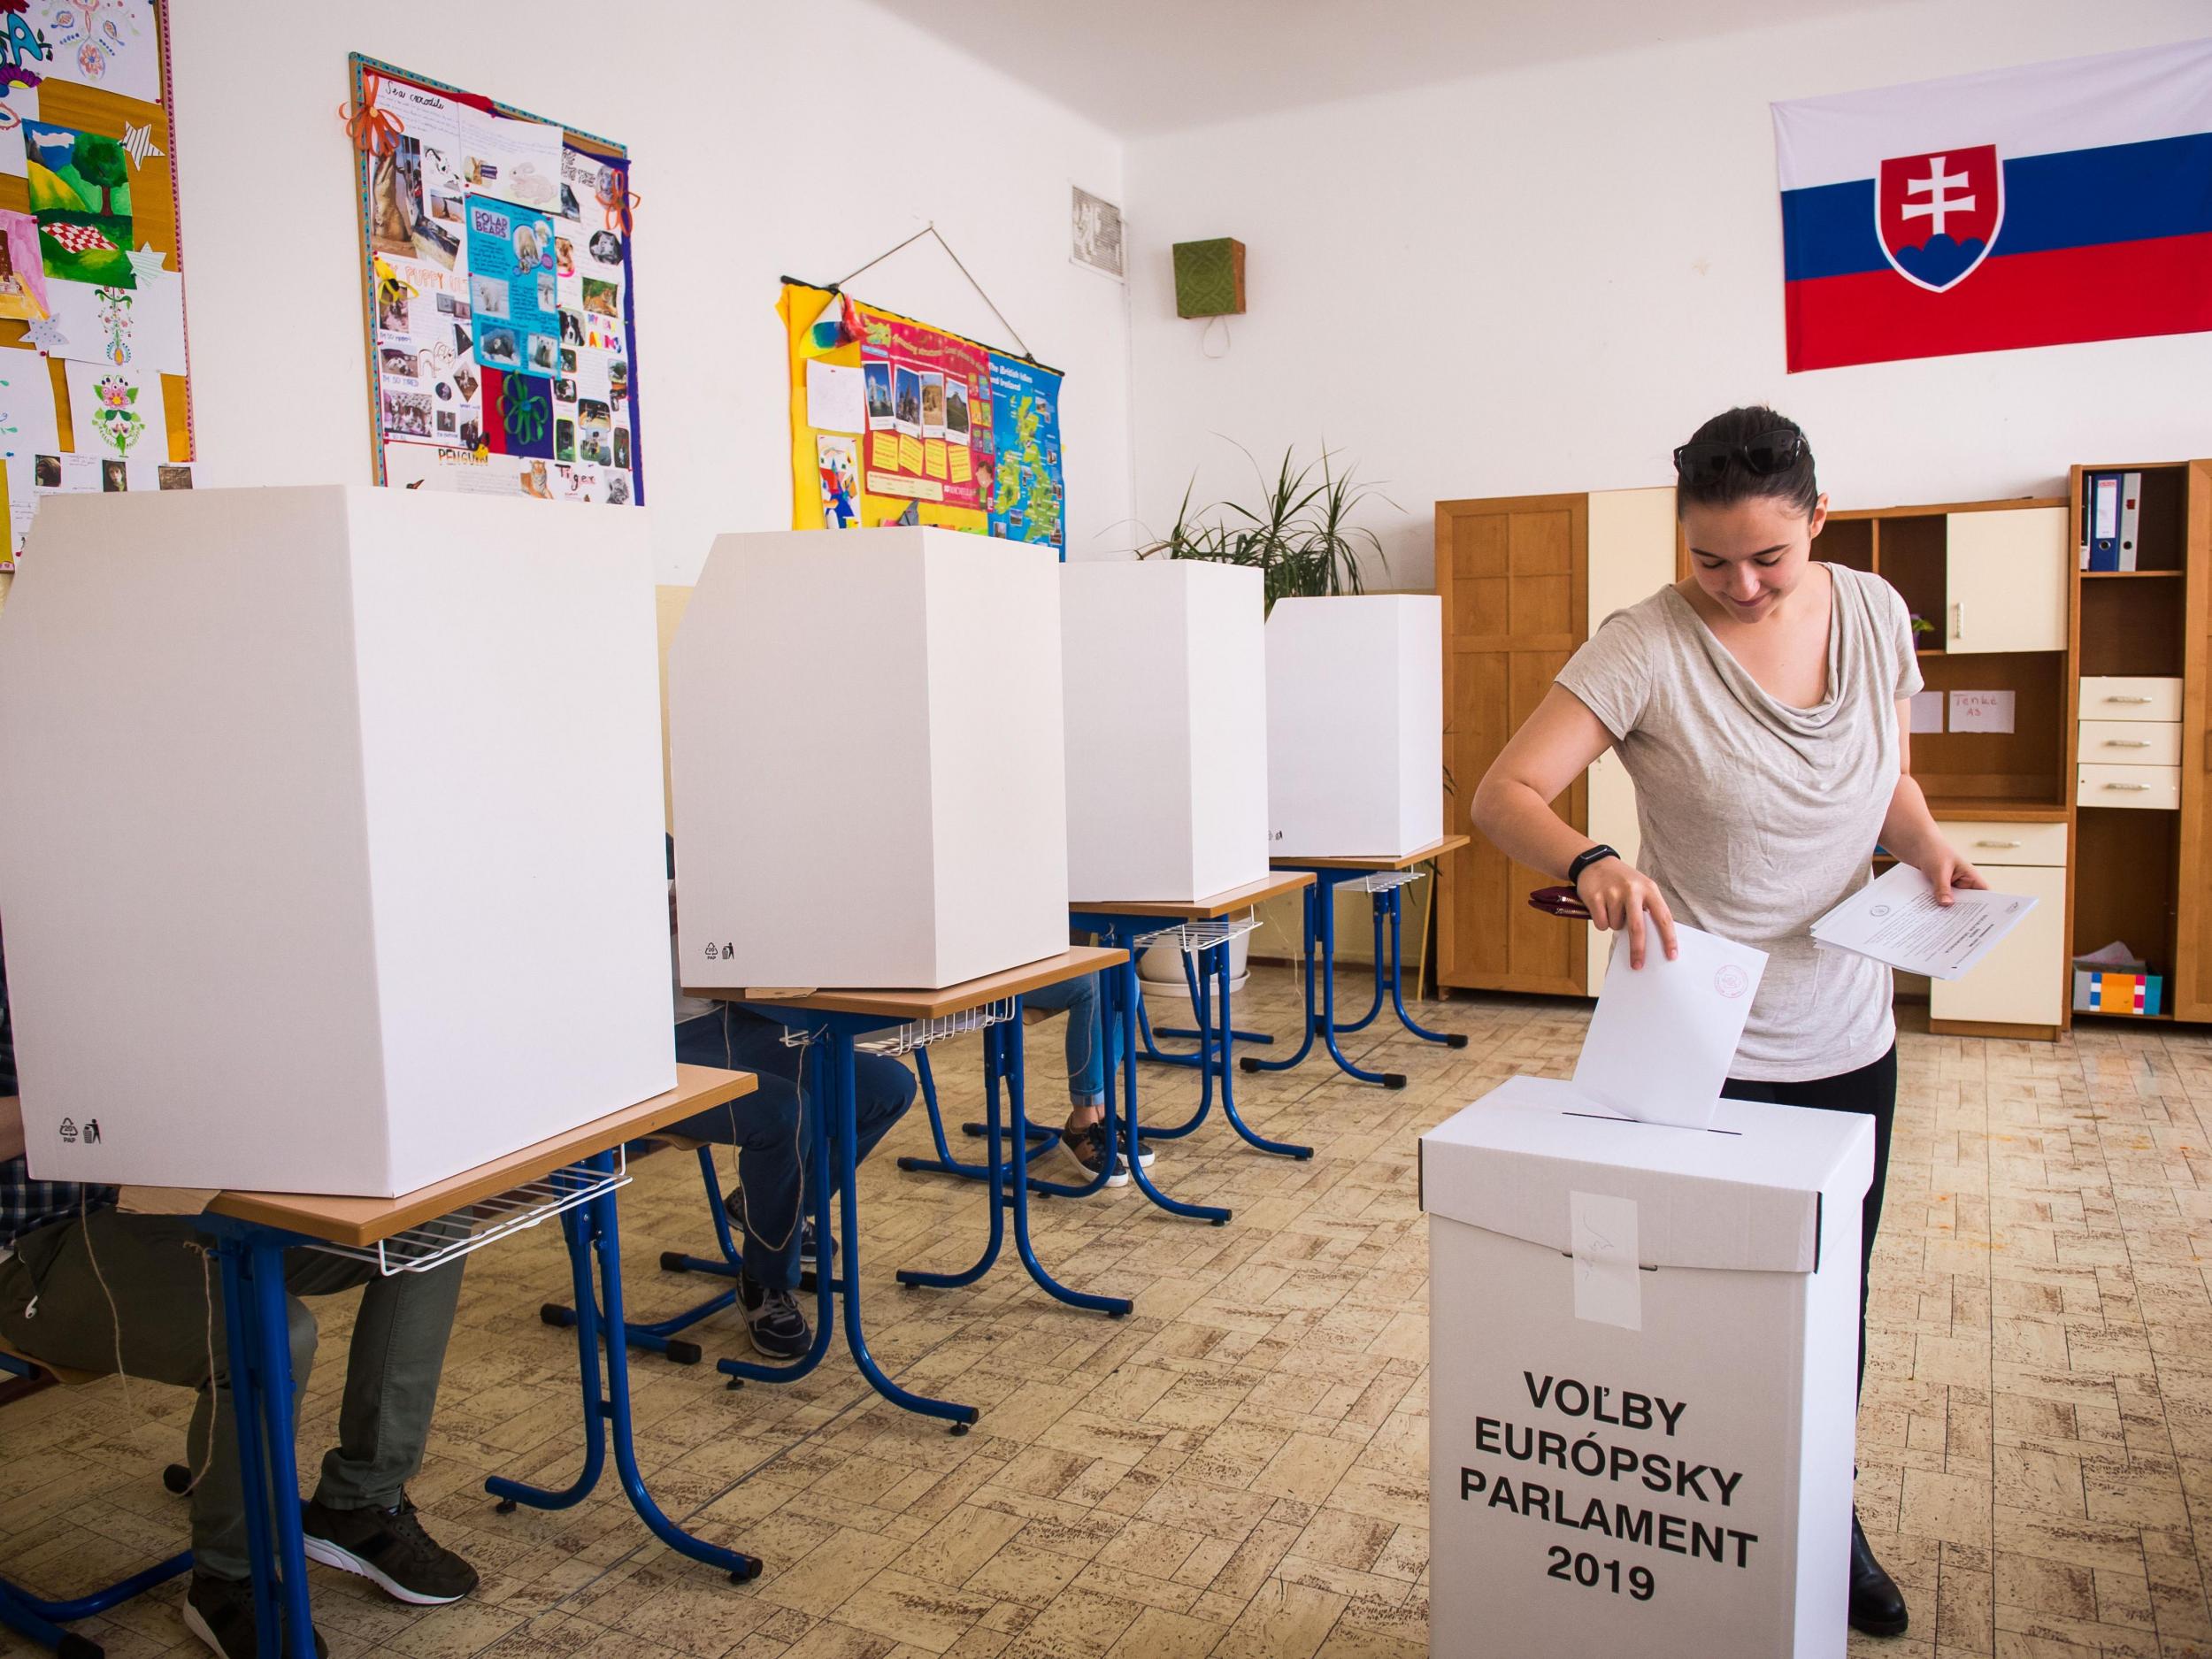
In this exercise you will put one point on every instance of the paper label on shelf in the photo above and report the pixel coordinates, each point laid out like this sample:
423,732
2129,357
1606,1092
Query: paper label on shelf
1981,711
1608,1285
1927,711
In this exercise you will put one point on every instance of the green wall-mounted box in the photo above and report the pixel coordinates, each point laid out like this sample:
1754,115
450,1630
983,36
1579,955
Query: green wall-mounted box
1210,278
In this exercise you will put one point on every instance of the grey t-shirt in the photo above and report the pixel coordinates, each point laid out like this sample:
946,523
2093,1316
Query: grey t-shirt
1758,818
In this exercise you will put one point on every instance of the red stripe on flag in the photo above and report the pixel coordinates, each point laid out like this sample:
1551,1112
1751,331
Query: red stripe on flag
2115,291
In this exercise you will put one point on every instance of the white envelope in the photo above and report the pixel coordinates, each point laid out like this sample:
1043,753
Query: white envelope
1663,1035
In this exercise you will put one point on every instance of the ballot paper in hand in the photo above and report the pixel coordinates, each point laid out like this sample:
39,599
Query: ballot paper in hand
1895,919
1664,1036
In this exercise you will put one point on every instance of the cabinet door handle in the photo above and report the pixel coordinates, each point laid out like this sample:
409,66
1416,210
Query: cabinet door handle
2127,699
1958,618
2126,742
2127,786
1996,844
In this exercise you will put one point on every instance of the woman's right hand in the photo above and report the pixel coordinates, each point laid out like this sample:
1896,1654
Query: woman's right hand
1619,896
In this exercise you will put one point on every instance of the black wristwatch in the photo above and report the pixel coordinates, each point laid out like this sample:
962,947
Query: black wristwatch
1584,859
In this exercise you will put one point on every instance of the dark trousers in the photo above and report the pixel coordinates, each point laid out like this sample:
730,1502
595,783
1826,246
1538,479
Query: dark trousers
764,1126
1872,1089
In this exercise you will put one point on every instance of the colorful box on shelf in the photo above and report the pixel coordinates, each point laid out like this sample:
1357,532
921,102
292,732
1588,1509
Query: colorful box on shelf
2103,991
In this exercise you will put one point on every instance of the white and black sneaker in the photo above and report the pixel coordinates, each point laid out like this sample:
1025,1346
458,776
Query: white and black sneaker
778,1330
220,1612
389,1549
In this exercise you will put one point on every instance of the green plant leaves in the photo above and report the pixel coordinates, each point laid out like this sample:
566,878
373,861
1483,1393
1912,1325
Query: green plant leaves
1299,533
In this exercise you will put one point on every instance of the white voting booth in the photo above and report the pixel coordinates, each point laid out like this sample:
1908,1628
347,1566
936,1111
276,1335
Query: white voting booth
1166,690
1354,726
865,742
1643,1347
332,834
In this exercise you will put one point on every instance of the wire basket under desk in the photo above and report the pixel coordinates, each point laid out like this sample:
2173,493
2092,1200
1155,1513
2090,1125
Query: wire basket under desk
916,1034
430,1244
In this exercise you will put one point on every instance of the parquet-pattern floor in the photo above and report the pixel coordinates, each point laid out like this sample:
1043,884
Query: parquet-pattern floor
1237,1470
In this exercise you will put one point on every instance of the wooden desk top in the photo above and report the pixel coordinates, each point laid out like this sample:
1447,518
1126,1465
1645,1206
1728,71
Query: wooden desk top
1204,910
1421,854
904,1005
364,1221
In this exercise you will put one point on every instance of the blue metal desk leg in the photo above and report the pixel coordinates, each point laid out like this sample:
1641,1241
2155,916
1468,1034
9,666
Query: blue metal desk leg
1217,958
586,1319
245,1405
1312,1023
664,1336
996,1240
1449,1039
1010,1035
598,1233
944,1162
1327,905
1119,993
1378,904
838,1107
268,1336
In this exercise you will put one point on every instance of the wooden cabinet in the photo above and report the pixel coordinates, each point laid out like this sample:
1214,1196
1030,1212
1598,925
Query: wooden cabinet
2020,988
1524,579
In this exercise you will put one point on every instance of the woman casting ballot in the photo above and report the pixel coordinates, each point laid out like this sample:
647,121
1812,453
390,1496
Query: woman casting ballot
1761,709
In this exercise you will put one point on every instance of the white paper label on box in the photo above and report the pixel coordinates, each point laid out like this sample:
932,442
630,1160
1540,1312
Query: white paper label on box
1608,1285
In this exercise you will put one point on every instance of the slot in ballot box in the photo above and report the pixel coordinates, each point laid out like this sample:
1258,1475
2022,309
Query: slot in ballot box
1643,1354
866,742
1354,726
332,850
1165,665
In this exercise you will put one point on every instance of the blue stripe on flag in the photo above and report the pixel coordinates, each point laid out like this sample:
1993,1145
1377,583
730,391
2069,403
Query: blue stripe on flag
2075,198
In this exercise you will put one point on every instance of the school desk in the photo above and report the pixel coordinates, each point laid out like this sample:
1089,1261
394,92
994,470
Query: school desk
829,1027
1384,879
577,1168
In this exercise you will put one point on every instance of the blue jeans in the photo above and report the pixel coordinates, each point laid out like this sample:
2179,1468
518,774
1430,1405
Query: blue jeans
763,1125
1090,1053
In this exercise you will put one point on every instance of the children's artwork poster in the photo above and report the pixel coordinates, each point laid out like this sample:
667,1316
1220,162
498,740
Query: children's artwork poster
94,389
944,431
499,310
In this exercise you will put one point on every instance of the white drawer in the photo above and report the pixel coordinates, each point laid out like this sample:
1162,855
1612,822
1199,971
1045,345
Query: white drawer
2131,742
2151,786
2024,980
2129,697
1983,842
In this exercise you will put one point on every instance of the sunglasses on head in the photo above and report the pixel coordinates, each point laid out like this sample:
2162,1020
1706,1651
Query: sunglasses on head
1703,461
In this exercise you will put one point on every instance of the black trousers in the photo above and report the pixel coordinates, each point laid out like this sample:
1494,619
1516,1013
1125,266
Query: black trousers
1872,1089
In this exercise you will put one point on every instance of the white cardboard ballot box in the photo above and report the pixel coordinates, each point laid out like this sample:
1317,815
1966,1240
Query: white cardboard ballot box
1166,691
333,856
866,744
1354,726
1643,1350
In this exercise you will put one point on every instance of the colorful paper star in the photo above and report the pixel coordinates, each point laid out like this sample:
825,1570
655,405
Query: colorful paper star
147,261
45,334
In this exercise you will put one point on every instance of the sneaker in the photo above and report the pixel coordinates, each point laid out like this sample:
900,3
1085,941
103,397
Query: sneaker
389,1549
778,1330
733,1207
1086,1148
220,1612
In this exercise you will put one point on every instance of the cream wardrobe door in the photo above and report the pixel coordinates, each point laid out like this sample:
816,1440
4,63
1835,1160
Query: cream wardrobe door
2005,571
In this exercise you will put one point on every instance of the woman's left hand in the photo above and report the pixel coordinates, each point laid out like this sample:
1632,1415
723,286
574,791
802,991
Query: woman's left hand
1945,870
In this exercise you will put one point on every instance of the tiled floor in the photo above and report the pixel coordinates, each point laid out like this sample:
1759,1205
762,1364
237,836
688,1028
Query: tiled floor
1237,1470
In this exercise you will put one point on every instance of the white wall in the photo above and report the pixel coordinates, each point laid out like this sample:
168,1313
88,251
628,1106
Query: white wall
1543,279
766,141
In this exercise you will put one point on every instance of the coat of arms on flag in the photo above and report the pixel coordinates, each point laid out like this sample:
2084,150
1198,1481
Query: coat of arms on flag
2038,206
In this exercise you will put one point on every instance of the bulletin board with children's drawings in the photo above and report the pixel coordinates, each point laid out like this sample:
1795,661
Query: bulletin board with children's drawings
93,394
500,330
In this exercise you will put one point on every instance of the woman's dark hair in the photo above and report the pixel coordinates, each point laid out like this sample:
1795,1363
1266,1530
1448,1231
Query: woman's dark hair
1793,484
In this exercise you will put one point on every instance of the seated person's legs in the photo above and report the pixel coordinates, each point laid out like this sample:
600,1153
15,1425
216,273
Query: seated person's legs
1093,1052
166,1297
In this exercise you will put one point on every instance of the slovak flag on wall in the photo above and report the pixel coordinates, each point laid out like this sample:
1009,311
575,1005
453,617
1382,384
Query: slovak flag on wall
2039,206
